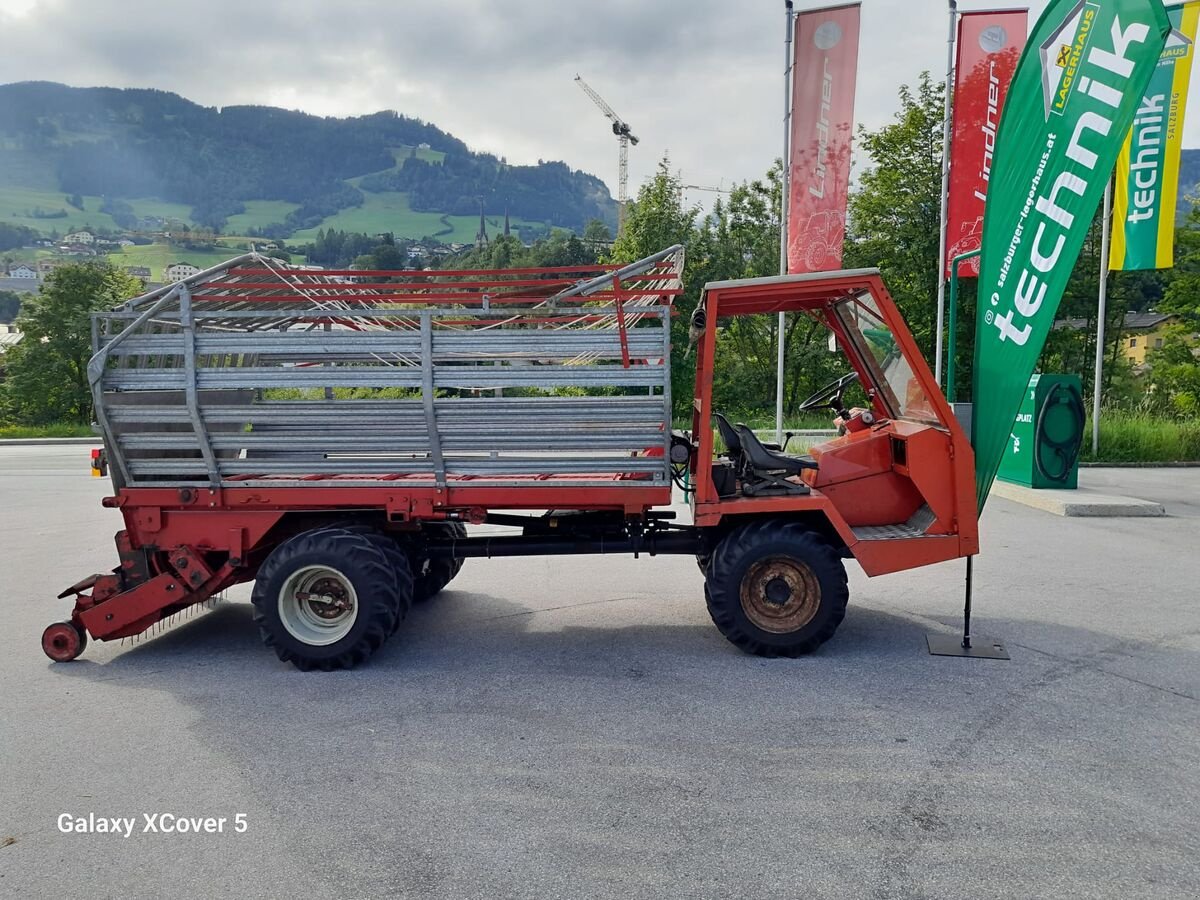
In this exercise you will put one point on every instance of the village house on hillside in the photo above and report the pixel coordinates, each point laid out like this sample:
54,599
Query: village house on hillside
142,272
79,237
22,271
1144,331
179,271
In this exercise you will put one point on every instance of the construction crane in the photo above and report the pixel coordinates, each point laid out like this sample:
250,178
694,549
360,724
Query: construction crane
701,187
625,137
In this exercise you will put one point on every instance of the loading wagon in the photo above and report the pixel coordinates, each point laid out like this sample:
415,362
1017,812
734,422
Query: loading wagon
330,436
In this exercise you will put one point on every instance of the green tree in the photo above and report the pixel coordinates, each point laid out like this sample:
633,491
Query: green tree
596,234
1182,294
895,213
10,305
389,257
657,219
1174,376
47,372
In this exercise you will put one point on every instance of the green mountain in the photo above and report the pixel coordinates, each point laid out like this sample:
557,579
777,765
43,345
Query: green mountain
104,155
1189,184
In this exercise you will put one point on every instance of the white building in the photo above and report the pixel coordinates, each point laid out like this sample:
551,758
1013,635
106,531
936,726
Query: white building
179,271
22,271
80,237
9,337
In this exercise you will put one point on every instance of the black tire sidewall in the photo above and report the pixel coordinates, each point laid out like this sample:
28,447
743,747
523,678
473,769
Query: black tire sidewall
378,603
740,551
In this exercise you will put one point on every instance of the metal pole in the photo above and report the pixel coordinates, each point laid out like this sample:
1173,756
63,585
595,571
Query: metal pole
952,337
966,638
1106,227
784,192
946,134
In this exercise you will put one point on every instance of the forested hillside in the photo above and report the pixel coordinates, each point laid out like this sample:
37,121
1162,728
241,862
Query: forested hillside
127,146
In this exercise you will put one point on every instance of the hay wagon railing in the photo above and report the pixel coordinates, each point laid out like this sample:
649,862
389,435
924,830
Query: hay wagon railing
257,372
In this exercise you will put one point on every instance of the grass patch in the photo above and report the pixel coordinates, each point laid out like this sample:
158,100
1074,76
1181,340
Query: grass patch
58,430
390,211
259,214
149,207
400,154
158,256
17,204
1138,437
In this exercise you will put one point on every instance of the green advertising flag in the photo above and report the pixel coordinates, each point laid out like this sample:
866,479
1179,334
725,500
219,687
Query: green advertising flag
1143,225
1071,103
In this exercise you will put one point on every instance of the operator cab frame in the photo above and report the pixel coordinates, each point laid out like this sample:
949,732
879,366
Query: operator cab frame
902,472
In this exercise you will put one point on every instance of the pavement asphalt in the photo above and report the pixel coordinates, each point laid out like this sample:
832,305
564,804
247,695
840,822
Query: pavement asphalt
576,727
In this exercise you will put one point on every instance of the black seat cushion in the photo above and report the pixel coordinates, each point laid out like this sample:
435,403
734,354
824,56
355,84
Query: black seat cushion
759,457
728,434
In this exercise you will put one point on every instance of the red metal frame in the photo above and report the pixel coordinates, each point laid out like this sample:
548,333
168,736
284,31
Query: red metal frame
498,286
182,545
939,467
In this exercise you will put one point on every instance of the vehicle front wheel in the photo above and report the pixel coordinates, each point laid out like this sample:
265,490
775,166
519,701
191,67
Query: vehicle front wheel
328,599
776,588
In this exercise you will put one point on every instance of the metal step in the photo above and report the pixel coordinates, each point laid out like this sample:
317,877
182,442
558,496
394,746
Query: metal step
916,526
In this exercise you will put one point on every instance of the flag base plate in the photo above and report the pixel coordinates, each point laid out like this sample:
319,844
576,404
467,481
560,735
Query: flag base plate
952,645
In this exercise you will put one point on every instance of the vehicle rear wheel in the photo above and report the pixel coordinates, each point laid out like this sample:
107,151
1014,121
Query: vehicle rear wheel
328,599
432,575
776,588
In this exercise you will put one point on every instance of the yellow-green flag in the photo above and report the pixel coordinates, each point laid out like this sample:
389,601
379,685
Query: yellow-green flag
1143,229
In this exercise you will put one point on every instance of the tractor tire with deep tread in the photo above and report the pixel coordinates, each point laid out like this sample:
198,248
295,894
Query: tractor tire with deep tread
776,588
338,564
430,576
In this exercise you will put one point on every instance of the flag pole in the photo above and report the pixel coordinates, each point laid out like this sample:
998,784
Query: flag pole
1106,229
784,196
941,262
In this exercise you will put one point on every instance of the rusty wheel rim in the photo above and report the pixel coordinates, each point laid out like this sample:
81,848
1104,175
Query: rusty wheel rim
61,642
780,594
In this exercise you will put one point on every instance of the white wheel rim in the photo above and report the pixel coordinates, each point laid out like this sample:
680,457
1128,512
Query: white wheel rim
318,605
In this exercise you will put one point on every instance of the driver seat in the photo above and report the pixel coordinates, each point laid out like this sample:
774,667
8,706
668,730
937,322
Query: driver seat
733,444
729,435
768,470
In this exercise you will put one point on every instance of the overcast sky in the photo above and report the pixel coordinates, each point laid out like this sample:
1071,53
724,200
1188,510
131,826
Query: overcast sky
701,79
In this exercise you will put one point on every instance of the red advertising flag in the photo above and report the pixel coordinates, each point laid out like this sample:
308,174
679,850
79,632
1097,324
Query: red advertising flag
989,45
823,81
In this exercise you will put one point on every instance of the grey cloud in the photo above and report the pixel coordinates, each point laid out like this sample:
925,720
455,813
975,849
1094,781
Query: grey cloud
702,79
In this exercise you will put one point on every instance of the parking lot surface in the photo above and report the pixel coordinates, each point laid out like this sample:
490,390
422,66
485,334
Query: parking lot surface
574,727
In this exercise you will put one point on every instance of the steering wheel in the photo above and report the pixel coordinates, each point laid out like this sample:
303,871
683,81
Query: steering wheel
830,396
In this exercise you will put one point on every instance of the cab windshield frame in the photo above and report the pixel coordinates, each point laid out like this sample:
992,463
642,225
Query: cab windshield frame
882,360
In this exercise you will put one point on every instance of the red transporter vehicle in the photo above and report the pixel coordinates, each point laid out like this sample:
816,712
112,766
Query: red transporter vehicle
329,435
